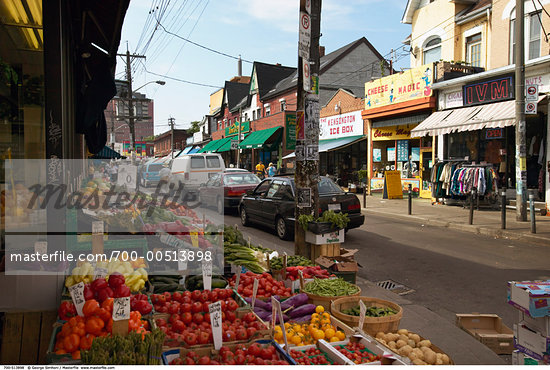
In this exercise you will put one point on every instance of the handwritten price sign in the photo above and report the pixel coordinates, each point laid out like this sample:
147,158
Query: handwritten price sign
121,309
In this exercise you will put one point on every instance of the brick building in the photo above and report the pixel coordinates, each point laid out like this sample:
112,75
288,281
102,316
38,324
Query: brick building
162,142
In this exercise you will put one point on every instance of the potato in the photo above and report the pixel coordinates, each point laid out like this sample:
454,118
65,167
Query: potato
430,357
419,353
403,337
411,343
403,331
438,362
419,362
415,337
413,356
445,359
425,343
425,349
405,351
394,337
392,345
400,343
380,335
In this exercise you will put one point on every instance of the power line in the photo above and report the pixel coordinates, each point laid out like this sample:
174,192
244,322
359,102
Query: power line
180,80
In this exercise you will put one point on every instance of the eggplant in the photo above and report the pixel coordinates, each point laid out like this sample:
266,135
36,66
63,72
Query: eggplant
285,318
306,309
301,319
264,315
295,301
259,303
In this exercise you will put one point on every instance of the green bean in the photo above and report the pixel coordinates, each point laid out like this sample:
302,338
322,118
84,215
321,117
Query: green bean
330,287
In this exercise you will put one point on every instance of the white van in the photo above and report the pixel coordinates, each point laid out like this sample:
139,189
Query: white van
192,170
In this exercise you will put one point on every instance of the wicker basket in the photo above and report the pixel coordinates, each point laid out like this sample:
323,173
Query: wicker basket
372,325
326,301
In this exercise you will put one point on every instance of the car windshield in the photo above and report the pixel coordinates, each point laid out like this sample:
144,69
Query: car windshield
326,186
155,167
240,179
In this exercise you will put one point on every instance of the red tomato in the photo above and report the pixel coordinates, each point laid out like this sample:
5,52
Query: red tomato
174,308
195,295
205,307
173,318
196,307
185,307
191,340
265,354
240,359
249,317
198,318
186,294
186,317
204,297
161,322
177,297
205,360
187,299
203,337
178,326
254,350
259,361
229,336
241,334
230,315
251,332
232,305
213,296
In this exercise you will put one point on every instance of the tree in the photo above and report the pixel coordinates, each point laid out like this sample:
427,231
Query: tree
194,127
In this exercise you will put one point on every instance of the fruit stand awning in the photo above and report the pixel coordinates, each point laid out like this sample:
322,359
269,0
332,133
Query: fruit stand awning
259,139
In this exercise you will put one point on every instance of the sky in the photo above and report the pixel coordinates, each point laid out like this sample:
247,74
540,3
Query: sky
257,30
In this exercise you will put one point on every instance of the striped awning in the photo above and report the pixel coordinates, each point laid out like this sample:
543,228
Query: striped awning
501,114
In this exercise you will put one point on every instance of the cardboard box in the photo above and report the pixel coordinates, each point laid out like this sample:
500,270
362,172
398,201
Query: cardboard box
489,330
520,358
538,324
531,297
338,263
328,238
531,343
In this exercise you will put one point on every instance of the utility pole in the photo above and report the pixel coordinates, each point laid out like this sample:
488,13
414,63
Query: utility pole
171,122
307,126
239,133
521,146
130,97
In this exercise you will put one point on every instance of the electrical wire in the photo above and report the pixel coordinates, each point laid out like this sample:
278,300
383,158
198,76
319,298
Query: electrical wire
180,80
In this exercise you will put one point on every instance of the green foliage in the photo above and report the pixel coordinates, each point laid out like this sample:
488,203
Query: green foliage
337,219
194,127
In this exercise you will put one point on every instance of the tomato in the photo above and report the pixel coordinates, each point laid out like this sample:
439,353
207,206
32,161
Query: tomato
222,304
203,337
186,317
162,309
190,339
90,308
187,299
213,296
254,350
247,292
71,343
185,307
249,317
265,354
174,308
230,315
240,359
178,326
196,307
204,297
173,318
259,361
205,360
251,332
177,297
229,336
198,318
241,334
186,294
205,307
195,296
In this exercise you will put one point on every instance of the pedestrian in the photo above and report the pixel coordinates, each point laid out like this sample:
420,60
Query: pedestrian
271,170
260,170
164,175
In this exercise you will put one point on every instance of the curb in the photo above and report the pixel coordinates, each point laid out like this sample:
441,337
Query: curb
495,233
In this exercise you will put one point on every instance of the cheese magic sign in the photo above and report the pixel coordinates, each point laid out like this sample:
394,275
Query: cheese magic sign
412,84
341,125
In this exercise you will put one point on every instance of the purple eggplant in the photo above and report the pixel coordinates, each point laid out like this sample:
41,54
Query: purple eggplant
306,309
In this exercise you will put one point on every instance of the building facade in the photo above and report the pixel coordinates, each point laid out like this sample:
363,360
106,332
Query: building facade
163,142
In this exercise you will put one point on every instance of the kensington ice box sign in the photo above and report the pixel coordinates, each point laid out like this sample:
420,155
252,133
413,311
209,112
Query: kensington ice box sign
488,91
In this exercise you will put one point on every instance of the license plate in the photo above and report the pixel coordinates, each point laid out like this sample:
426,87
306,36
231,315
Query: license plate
334,207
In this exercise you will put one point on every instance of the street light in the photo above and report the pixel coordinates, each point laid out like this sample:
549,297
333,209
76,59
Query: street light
162,83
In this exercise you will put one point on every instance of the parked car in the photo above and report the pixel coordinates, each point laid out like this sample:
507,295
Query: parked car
224,190
192,170
272,204
149,174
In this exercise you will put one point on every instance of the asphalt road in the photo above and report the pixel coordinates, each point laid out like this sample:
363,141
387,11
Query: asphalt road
450,271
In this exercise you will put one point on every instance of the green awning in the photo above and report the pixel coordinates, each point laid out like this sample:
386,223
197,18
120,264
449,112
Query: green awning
227,145
107,153
212,146
264,138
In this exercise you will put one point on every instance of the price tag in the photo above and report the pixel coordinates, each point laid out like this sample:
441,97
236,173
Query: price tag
301,276
254,292
77,294
182,259
41,247
207,274
121,309
194,239
100,273
238,278
362,313
276,310
215,310
285,261
97,227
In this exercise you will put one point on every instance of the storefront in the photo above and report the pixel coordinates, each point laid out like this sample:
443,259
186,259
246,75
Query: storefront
476,126
394,105
262,145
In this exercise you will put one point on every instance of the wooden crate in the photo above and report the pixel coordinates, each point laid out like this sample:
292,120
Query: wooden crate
25,337
325,250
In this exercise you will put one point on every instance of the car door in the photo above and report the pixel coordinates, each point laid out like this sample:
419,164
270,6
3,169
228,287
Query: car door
270,203
253,202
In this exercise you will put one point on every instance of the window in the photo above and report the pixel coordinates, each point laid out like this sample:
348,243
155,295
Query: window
254,115
267,111
283,105
262,188
432,50
213,161
240,179
274,189
197,162
532,36
259,113
473,50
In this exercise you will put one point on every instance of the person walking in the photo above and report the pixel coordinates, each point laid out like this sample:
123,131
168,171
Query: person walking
271,170
260,170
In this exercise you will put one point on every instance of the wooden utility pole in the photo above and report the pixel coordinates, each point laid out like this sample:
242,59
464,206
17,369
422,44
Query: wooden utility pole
521,146
307,119
171,122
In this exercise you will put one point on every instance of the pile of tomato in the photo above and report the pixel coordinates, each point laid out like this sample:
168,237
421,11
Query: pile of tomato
311,356
267,286
189,320
254,354
357,353
79,331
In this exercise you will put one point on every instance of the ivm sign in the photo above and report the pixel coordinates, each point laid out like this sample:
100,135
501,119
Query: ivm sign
489,91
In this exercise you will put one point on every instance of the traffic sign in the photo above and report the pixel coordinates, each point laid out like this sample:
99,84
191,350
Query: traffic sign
531,107
531,92
306,75
234,144
304,39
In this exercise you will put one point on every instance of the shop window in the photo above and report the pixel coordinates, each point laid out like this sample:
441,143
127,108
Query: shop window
532,36
473,50
432,50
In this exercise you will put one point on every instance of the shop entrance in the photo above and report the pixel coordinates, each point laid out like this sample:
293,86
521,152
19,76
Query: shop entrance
426,165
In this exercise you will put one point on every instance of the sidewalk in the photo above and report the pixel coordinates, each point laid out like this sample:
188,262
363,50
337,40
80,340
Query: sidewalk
485,222
459,345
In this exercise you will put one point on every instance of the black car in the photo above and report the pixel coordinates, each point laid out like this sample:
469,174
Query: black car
272,204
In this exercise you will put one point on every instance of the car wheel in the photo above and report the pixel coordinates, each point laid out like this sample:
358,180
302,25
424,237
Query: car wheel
244,217
219,205
282,229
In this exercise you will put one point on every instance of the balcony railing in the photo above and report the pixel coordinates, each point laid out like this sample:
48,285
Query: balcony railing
447,71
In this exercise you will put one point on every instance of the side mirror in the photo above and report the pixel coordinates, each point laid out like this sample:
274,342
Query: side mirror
249,192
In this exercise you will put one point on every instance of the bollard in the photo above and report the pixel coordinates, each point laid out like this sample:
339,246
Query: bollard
472,199
410,199
365,196
532,213
503,210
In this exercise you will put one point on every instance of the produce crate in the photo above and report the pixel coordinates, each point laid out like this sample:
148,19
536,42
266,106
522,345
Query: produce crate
349,276
55,359
489,330
388,357
209,351
326,301
327,350
25,337
339,325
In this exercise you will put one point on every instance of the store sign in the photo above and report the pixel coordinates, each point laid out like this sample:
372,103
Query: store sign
488,91
453,100
412,84
290,129
392,133
342,125
234,128
494,133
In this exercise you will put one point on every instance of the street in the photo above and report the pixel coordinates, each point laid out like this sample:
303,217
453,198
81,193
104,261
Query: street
450,271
